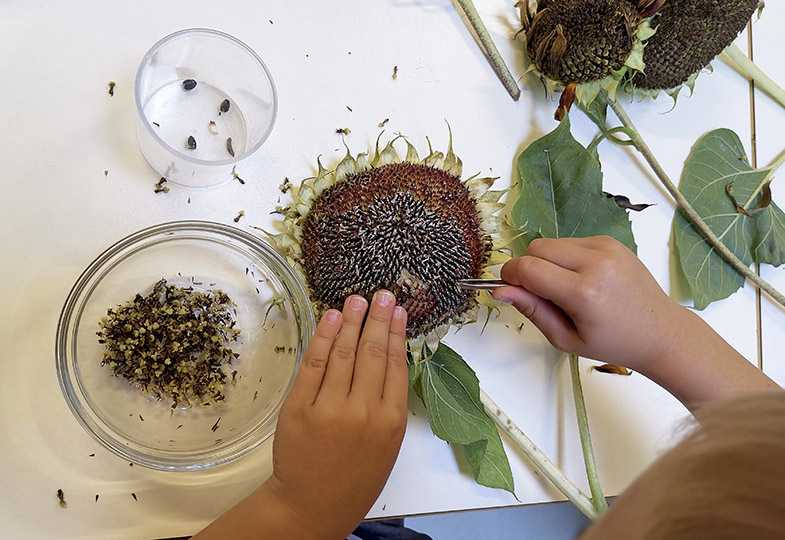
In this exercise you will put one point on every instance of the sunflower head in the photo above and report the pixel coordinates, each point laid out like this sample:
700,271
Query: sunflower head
585,45
407,225
689,34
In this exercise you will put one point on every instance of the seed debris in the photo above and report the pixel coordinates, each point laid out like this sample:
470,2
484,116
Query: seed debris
189,84
213,128
134,496
229,147
215,426
343,131
237,176
224,107
383,122
159,186
239,215
112,84
286,185
61,498
190,143
172,342
395,73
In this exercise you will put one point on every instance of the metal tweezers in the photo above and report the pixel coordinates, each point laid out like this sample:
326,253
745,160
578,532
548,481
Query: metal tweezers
480,284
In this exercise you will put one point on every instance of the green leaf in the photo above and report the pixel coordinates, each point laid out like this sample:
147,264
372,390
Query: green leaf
451,393
716,162
561,193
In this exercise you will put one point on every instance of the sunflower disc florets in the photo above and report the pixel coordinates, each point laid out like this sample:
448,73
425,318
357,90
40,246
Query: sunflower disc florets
411,226
689,34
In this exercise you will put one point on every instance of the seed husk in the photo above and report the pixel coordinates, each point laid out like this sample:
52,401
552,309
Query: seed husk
224,107
229,147
190,143
189,84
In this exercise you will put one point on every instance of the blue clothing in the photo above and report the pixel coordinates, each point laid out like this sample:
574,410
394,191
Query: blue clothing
386,529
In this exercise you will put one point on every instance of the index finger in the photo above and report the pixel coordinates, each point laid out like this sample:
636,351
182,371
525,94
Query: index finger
542,277
309,379
569,253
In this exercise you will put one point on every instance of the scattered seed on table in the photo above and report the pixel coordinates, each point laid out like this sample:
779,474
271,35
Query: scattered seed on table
229,146
190,144
224,107
237,176
159,186
112,84
383,122
241,214
61,498
189,84
395,72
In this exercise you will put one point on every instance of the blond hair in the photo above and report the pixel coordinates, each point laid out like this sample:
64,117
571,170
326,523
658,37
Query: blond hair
726,479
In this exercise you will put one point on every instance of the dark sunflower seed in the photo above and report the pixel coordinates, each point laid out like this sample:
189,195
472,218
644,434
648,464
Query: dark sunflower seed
191,143
189,84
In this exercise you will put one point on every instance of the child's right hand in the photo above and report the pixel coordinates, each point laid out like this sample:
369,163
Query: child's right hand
593,297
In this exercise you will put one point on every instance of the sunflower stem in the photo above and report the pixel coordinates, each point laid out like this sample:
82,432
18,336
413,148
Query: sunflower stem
543,464
489,48
735,58
600,504
686,208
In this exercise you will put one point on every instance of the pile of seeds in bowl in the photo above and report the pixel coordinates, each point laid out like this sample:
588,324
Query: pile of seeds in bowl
172,343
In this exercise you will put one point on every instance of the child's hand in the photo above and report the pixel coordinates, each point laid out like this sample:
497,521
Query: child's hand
342,425
593,297
339,430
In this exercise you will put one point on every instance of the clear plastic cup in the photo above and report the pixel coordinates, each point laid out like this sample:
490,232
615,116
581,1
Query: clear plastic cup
206,102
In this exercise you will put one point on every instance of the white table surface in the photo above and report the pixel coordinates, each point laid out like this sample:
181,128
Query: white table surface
58,210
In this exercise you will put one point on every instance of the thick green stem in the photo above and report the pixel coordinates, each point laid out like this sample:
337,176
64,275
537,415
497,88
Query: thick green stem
735,58
547,467
600,504
491,52
686,208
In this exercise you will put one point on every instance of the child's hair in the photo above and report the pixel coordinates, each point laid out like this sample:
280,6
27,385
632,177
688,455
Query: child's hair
726,479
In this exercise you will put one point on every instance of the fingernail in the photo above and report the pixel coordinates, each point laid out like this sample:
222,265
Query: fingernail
357,303
383,298
504,299
332,316
399,313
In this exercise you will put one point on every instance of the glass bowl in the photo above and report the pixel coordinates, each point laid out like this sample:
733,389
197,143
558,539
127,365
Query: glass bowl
273,336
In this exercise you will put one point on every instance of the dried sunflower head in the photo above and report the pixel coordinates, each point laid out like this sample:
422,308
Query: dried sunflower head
689,34
582,46
407,225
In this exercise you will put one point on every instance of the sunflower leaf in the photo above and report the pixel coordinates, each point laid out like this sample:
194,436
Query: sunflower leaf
451,393
561,193
722,187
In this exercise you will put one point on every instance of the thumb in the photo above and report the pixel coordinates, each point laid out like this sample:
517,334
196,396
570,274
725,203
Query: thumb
544,314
